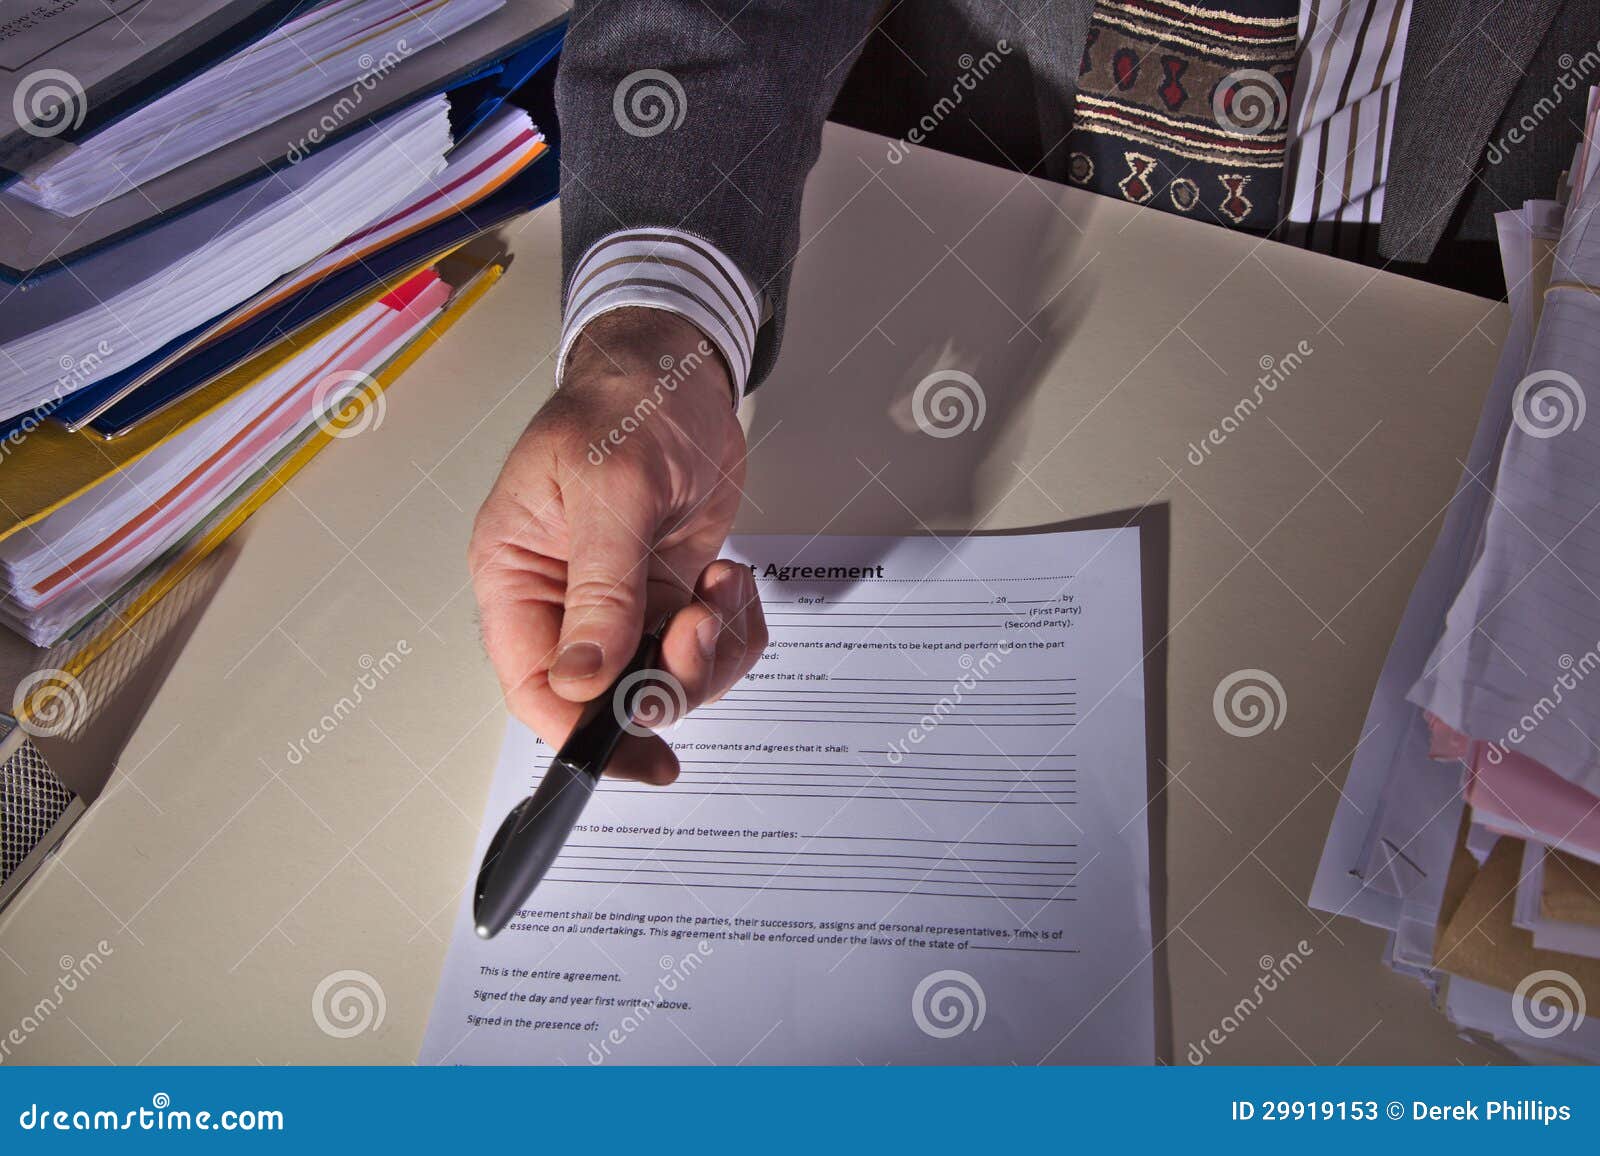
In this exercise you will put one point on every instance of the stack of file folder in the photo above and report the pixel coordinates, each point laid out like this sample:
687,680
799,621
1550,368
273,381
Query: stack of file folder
221,271
1469,825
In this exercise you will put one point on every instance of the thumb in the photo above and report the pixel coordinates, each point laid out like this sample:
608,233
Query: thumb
608,562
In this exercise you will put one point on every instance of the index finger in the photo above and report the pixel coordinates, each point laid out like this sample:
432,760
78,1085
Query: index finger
521,613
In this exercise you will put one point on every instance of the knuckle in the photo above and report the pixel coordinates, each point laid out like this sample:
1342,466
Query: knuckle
599,597
479,545
491,526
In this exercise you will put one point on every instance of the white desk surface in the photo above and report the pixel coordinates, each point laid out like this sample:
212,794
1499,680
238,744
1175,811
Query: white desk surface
228,880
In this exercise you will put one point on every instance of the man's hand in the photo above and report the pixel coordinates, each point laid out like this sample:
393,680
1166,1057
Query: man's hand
609,514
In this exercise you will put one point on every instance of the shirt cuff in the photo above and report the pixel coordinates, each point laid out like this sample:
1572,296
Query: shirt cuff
660,268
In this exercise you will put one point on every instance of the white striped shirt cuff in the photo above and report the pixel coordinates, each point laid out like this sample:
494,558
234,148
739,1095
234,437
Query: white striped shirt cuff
660,268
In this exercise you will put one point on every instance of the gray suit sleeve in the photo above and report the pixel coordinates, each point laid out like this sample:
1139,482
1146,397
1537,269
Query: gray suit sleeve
705,116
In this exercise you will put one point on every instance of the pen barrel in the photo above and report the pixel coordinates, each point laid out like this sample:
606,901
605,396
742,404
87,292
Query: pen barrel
533,834
550,815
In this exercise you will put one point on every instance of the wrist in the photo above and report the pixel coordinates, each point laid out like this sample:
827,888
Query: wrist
651,350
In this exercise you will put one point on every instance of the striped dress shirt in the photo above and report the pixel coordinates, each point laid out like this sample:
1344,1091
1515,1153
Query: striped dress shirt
666,269
1342,122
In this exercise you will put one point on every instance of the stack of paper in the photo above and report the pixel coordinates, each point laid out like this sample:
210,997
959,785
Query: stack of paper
1469,826
57,571
345,44
159,389
438,215
72,330
408,54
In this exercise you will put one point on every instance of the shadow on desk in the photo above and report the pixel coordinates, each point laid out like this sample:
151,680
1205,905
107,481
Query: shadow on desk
924,318
922,322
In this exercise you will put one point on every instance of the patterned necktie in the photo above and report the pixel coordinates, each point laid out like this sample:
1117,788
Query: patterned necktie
1185,108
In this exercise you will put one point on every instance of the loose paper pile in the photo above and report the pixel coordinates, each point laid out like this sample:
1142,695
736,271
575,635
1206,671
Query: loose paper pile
1470,823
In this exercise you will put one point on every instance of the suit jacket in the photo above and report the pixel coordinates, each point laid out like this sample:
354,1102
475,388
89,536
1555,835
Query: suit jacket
754,80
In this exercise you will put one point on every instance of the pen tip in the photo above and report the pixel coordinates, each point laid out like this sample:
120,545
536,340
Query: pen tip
484,932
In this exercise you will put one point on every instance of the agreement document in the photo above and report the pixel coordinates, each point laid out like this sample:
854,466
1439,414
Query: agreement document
914,833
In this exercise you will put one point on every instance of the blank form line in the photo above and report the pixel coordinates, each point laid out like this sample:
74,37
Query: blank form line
790,617
967,873
866,722
867,785
927,602
977,754
871,839
847,854
985,581
943,681
966,881
882,771
986,896
847,694
887,626
999,800
871,774
903,708
874,766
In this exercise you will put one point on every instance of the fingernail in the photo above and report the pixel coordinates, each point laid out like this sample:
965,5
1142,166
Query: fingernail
729,591
579,660
706,634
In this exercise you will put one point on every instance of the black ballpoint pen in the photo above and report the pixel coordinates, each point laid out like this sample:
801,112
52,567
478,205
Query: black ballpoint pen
533,834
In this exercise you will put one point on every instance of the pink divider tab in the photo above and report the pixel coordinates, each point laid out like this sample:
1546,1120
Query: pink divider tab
1444,741
292,410
1509,785
402,295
